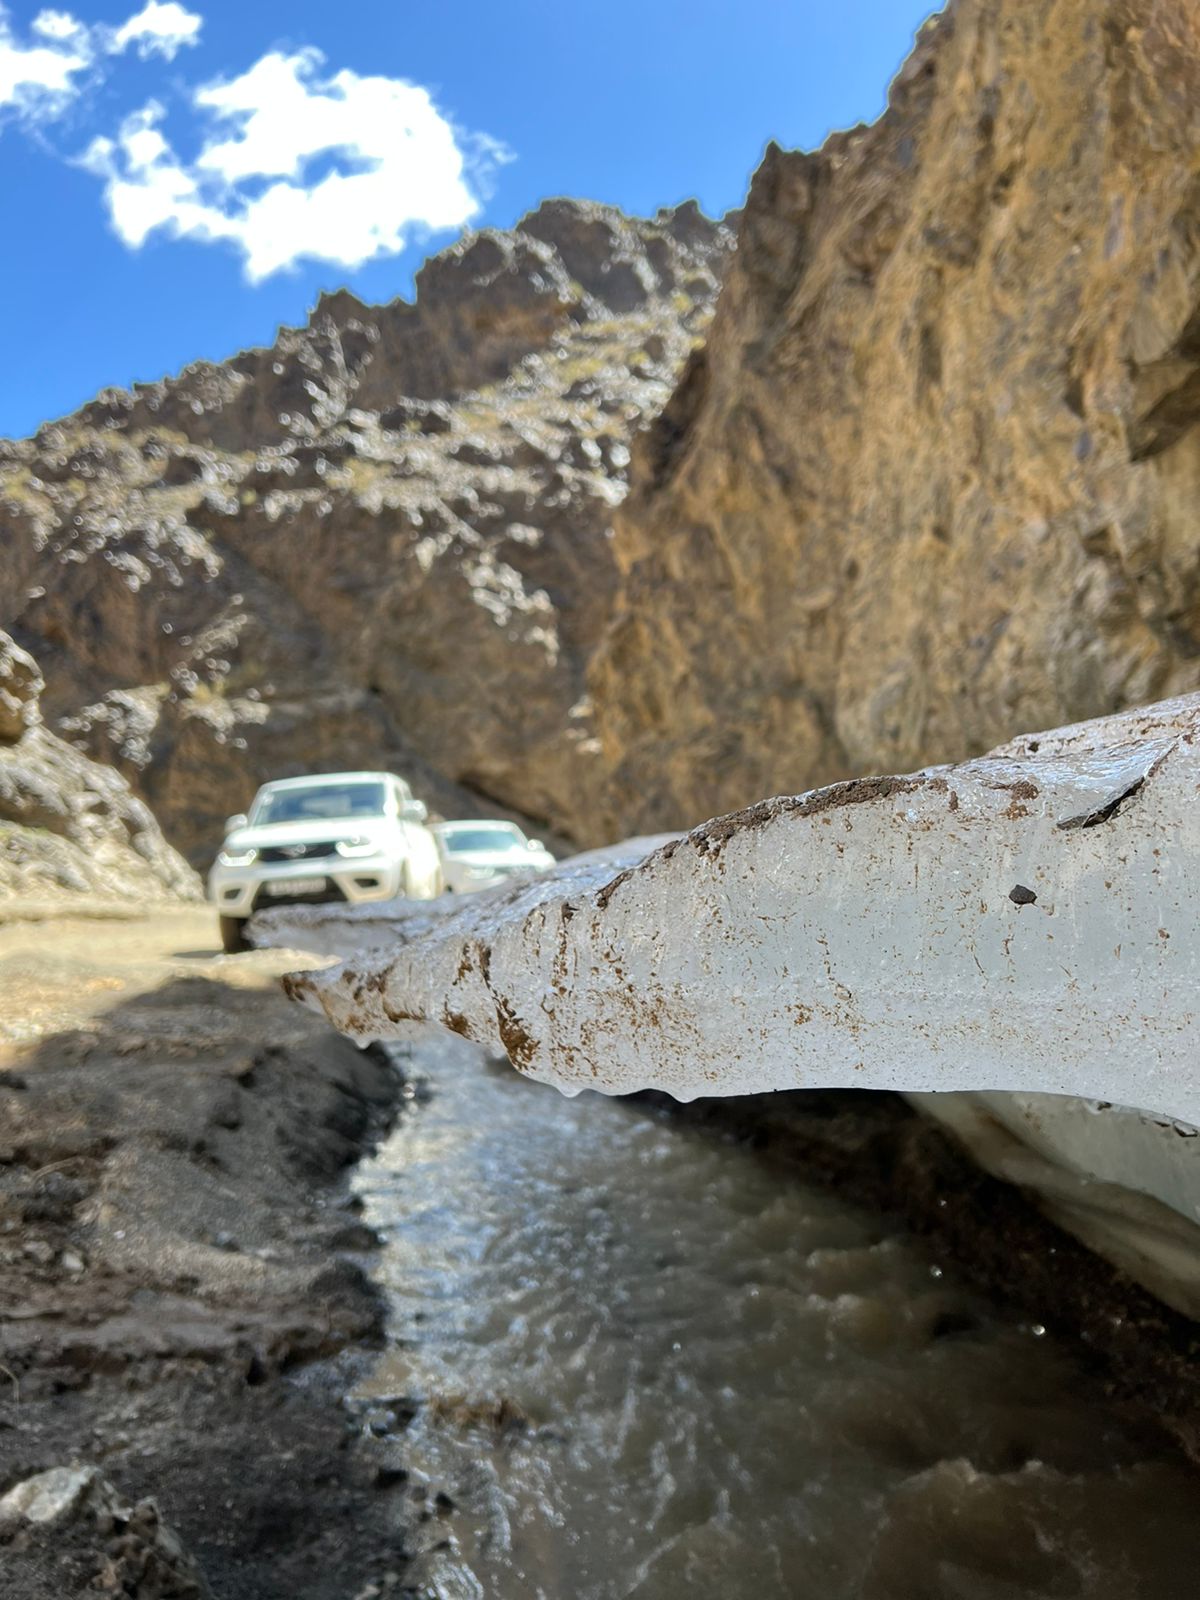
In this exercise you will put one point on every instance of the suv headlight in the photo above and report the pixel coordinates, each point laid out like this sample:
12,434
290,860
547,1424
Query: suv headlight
356,847
237,858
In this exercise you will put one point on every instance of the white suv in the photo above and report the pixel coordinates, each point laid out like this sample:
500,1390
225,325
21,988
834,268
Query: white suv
336,836
478,855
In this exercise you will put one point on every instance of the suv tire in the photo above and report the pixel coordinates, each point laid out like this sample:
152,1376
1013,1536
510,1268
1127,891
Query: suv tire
233,937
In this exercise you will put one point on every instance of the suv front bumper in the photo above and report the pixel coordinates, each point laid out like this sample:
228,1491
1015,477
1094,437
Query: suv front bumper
240,891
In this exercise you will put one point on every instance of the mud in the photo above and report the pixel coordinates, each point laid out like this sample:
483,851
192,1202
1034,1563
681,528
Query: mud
182,1294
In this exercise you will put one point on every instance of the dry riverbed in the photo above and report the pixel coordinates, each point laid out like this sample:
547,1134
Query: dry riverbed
181,1302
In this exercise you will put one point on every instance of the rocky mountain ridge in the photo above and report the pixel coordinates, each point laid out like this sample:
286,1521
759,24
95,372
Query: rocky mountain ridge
383,541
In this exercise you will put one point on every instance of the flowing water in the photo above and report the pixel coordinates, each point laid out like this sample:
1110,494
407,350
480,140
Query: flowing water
641,1363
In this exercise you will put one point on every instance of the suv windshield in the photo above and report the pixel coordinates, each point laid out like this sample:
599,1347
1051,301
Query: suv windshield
326,802
483,836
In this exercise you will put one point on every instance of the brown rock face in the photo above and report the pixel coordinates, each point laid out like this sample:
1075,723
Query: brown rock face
935,476
384,541
66,822
20,686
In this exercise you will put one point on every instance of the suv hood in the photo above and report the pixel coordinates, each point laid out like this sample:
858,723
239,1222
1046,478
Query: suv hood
310,832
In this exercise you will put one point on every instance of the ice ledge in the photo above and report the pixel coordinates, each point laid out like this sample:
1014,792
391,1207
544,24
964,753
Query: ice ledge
1027,921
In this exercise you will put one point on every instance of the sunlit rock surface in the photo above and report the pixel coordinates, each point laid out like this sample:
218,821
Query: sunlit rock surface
1027,921
933,474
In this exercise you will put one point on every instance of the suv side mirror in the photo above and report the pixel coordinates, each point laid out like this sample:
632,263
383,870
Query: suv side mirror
415,811
535,844
238,820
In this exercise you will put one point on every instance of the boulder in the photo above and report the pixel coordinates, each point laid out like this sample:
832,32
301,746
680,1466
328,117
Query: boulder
68,822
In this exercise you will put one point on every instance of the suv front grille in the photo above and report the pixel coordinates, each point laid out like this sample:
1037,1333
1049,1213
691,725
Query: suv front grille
298,852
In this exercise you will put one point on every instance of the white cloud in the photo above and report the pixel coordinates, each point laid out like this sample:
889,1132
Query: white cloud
59,25
39,79
161,28
160,189
296,165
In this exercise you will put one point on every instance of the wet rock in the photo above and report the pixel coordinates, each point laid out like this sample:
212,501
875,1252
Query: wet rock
355,1237
390,1477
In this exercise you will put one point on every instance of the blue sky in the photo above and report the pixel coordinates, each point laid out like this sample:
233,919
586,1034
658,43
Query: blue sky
181,176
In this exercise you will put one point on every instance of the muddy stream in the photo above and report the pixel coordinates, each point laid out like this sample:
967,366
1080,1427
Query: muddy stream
638,1362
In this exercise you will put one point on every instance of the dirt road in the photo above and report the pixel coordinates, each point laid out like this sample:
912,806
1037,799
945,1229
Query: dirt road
61,970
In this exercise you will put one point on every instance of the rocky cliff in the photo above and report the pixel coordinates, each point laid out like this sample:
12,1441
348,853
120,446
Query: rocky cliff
383,541
934,475
67,822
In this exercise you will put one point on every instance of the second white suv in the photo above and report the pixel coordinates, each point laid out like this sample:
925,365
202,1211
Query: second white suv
336,836
480,854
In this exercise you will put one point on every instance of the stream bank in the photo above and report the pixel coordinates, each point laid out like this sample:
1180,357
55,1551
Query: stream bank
183,1300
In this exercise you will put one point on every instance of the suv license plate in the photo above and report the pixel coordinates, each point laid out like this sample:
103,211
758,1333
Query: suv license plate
296,886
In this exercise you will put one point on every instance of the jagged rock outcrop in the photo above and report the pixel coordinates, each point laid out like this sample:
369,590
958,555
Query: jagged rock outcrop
934,474
67,822
383,541
20,685
931,476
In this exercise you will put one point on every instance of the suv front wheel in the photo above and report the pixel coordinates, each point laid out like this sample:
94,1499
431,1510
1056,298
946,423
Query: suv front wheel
233,937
